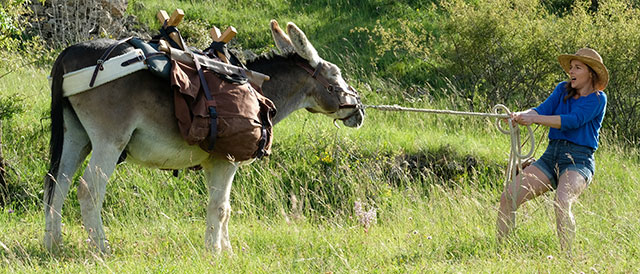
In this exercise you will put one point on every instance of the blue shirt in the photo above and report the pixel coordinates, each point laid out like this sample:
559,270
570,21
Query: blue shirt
581,118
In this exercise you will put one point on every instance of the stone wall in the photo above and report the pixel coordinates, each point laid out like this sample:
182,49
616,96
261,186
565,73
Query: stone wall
64,22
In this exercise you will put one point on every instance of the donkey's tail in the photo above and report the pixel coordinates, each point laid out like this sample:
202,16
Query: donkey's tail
58,102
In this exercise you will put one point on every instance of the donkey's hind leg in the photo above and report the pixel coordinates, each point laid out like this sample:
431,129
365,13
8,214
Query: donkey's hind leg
220,173
74,150
92,189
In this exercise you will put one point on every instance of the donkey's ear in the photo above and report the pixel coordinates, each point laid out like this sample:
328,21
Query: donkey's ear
302,45
283,43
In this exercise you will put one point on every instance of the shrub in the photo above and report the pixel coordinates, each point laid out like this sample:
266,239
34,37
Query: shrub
613,32
499,50
14,38
9,107
505,51
10,28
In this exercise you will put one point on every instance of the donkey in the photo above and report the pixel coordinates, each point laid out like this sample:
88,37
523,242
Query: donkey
134,115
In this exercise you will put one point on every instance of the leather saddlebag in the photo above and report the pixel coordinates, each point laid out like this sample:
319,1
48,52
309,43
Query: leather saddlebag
244,115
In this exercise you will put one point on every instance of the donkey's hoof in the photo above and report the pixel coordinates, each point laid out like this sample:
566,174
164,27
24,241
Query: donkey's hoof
52,246
99,247
51,243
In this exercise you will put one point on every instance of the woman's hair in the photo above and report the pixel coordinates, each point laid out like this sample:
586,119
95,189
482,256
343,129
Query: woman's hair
572,91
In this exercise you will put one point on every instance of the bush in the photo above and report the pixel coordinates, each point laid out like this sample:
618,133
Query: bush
9,107
505,51
16,41
502,51
613,32
10,29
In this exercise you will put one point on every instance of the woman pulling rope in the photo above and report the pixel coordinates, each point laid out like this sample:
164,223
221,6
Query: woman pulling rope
574,113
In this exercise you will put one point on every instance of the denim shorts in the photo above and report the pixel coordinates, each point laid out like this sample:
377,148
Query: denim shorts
562,155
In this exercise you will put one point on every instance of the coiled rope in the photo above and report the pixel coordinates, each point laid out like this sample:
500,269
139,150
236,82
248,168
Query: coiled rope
515,156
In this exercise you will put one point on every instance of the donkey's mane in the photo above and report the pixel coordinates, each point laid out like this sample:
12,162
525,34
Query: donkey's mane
267,61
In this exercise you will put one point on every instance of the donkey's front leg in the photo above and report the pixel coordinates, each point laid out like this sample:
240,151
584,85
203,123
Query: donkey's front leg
220,173
91,191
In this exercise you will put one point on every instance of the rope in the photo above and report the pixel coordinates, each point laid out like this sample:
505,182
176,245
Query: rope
515,156
435,111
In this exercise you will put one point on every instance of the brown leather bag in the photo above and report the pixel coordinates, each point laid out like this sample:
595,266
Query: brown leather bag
244,123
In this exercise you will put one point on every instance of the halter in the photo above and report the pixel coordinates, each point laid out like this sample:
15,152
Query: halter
340,93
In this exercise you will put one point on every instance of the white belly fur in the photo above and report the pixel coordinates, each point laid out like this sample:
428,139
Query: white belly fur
167,153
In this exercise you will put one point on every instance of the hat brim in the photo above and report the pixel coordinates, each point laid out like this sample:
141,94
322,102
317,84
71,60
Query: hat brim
598,68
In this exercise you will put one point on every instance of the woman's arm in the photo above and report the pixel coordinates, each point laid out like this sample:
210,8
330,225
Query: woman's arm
530,116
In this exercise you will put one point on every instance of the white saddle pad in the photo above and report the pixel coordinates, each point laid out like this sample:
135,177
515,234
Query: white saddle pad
78,81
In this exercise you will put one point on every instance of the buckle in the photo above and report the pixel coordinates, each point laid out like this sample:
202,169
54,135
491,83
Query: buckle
99,64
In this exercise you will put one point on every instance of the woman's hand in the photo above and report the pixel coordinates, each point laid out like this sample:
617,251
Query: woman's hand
524,118
530,116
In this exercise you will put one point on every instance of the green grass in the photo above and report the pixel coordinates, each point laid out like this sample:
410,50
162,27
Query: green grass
155,222
435,180
451,231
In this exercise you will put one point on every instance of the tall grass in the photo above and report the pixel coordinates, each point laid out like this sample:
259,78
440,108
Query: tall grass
426,221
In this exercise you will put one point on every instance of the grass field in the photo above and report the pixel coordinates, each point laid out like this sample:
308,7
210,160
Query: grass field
155,222
434,181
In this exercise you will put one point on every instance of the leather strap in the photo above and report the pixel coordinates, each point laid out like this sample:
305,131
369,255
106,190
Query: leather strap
104,57
314,73
213,133
266,123
164,34
133,60
221,47
166,30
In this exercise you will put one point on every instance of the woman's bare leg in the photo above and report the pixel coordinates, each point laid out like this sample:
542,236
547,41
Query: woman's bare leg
570,186
532,183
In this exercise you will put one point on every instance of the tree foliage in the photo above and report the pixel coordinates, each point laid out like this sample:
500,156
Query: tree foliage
505,51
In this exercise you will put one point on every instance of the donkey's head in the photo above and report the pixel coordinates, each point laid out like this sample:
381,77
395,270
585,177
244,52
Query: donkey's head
329,94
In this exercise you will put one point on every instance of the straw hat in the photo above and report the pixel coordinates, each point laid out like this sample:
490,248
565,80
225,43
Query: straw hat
592,59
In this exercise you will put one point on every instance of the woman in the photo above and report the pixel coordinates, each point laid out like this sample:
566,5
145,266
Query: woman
574,113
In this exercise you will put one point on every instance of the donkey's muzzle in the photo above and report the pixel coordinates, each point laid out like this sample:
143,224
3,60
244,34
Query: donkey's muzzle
355,119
